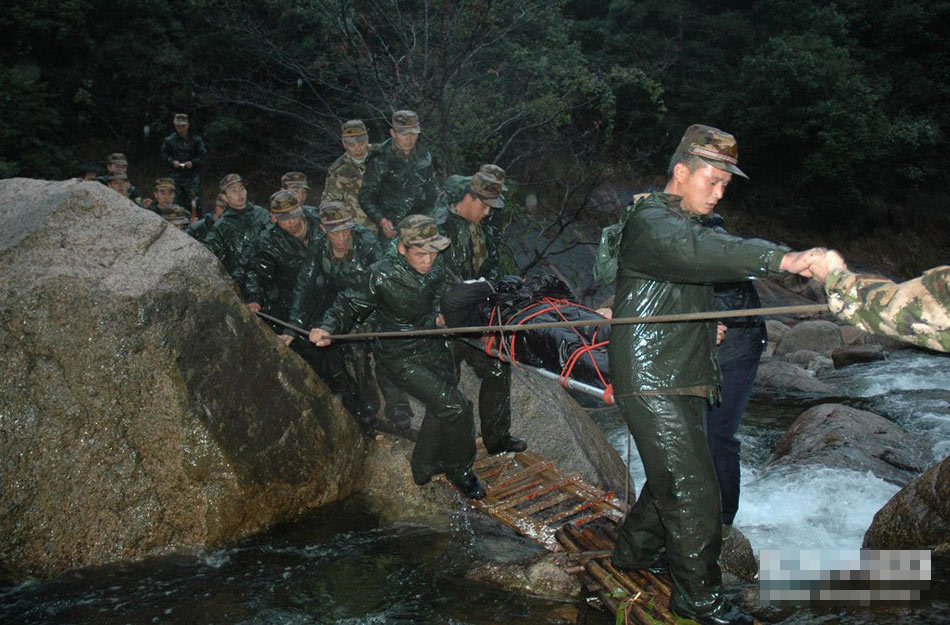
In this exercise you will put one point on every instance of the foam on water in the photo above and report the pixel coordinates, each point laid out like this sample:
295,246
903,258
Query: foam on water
809,507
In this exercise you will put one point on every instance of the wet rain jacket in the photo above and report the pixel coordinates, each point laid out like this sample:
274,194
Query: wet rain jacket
232,232
459,258
272,263
182,149
667,265
322,277
394,187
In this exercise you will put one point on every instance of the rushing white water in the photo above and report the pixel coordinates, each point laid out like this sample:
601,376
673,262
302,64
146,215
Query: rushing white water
814,507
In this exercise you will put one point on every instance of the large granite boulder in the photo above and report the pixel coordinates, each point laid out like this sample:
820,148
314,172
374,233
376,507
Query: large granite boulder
143,408
918,516
781,376
816,335
835,435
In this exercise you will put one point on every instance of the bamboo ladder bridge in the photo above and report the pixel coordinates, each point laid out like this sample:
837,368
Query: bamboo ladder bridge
565,514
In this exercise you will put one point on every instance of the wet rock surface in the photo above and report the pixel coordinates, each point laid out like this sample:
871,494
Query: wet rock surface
918,516
854,354
835,435
815,335
144,409
779,375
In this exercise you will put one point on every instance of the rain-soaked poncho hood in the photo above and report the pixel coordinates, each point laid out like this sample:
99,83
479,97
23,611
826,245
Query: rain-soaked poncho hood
667,265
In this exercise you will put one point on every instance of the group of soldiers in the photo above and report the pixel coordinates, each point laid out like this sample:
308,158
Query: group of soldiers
386,242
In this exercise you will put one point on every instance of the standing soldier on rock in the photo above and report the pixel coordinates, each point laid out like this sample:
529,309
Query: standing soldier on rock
665,373
404,290
184,153
473,254
400,177
345,175
239,226
340,262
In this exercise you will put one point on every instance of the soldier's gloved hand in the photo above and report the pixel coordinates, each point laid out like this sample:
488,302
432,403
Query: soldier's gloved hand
286,339
800,262
318,336
254,307
387,227
826,264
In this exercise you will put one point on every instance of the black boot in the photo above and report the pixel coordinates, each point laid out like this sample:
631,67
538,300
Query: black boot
727,614
468,483
509,444
400,415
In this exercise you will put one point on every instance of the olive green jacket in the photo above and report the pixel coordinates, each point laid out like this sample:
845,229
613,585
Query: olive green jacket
394,187
323,277
402,299
666,266
459,256
272,263
233,231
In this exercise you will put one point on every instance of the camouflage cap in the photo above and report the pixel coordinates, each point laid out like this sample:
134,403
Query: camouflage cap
175,214
335,215
181,119
228,180
284,205
496,172
117,158
164,183
294,180
353,128
487,189
713,146
115,177
406,122
421,231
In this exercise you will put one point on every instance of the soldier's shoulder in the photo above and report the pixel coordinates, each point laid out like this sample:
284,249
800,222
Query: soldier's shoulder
337,164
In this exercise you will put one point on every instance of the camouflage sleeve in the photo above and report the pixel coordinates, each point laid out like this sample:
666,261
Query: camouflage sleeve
917,311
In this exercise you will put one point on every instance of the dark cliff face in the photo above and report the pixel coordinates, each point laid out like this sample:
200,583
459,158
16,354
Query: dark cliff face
143,408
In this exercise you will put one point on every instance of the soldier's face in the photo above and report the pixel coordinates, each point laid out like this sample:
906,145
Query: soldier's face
473,208
404,141
702,189
295,227
356,147
299,192
122,186
236,195
340,240
418,258
182,129
164,196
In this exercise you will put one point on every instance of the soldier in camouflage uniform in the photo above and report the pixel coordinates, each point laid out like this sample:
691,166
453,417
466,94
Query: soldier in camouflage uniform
400,177
174,214
473,254
163,194
916,311
272,263
296,183
116,163
341,261
345,175
184,152
121,185
404,289
239,226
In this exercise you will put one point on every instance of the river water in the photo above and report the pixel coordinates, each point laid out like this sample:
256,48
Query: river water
340,566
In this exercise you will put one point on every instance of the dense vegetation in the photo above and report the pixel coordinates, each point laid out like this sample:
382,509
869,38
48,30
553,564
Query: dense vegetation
840,109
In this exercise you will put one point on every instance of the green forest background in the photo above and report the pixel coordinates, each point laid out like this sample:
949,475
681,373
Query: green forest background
841,109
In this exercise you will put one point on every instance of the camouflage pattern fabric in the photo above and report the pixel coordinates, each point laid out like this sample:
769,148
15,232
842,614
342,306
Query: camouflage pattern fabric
344,179
916,311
